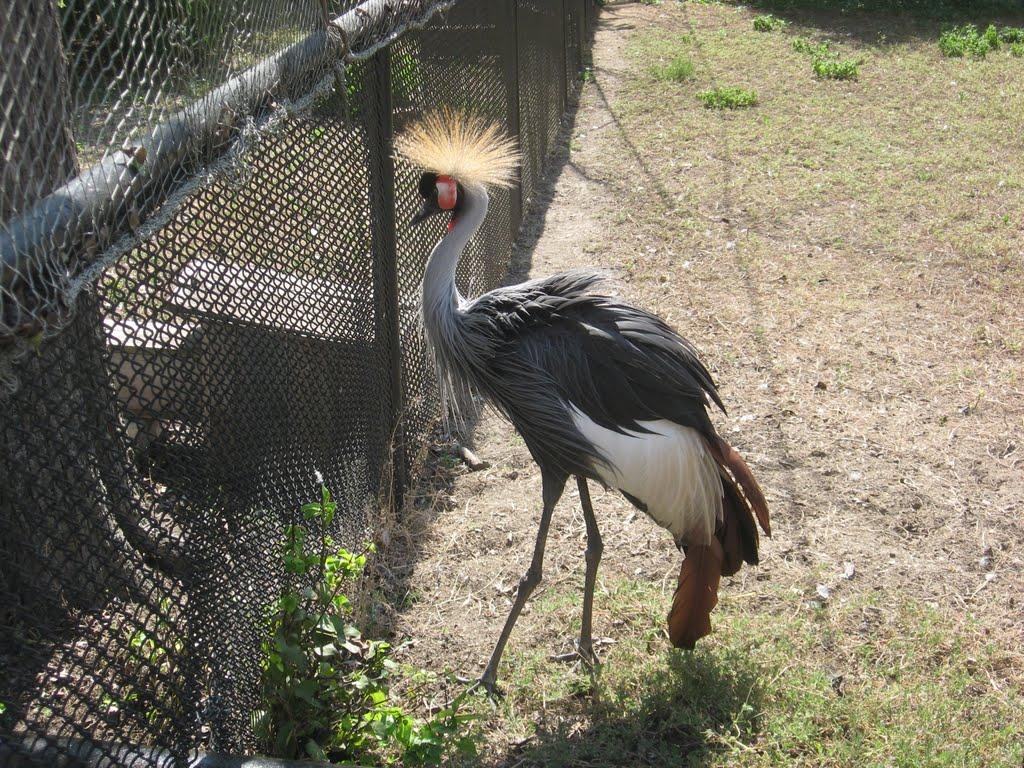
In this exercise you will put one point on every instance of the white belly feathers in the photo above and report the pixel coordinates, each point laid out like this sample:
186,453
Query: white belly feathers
670,470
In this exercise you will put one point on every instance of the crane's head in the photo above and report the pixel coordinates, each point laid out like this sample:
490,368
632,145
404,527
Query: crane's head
456,150
440,193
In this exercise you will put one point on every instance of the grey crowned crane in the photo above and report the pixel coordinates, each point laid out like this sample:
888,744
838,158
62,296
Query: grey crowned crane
596,388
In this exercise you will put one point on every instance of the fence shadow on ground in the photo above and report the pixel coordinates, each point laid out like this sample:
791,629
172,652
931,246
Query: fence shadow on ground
672,719
883,22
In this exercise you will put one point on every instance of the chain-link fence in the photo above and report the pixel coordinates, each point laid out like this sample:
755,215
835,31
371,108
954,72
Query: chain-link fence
208,305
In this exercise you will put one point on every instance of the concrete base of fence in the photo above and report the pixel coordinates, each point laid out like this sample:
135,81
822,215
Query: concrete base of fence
79,753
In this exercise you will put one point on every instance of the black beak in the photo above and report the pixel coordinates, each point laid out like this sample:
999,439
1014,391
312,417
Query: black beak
430,207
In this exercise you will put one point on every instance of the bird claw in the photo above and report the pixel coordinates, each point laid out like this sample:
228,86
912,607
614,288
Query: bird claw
582,653
489,685
589,657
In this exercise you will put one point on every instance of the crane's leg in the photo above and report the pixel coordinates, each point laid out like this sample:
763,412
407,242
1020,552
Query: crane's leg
553,486
593,557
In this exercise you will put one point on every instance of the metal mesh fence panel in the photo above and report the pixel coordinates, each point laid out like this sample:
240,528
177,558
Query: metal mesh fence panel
541,59
209,305
461,63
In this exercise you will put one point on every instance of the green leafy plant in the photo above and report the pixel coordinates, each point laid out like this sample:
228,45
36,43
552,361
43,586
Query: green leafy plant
727,98
768,23
833,69
803,45
966,40
325,687
677,70
825,62
1017,49
1012,34
991,37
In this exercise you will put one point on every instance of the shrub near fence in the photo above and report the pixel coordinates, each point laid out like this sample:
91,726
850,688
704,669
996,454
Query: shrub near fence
208,303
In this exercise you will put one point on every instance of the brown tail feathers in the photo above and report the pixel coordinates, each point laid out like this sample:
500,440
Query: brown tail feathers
696,596
735,542
728,459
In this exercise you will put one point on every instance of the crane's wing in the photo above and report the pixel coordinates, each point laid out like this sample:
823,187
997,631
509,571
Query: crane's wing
616,363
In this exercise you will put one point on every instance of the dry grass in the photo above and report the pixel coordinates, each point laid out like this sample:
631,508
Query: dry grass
849,257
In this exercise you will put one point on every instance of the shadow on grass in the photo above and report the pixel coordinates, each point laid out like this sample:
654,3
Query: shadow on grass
679,716
891,21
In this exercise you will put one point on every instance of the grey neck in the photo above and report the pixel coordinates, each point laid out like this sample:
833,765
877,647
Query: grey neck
440,295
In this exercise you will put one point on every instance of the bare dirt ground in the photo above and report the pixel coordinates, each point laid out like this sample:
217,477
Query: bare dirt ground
849,259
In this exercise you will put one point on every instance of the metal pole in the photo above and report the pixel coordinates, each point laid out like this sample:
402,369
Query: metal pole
511,57
385,254
581,36
564,80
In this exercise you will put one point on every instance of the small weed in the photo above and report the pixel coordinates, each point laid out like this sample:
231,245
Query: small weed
832,69
966,40
677,70
803,45
1012,34
727,98
1017,49
325,688
991,36
769,23
825,62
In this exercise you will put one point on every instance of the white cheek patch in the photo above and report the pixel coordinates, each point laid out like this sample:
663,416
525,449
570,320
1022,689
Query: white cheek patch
447,192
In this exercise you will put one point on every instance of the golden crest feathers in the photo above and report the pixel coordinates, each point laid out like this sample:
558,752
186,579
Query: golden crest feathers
466,147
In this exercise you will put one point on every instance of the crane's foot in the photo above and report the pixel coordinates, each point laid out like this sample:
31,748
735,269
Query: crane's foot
485,683
583,653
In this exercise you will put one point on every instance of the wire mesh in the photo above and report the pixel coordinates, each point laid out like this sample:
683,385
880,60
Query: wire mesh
208,306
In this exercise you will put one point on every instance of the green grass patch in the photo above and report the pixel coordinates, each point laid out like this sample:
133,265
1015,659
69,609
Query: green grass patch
667,57
860,682
769,23
677,70
834,69
729,97
1017,49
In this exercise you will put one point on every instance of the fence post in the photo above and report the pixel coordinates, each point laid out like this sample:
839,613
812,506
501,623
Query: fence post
563,102
581,35
511,59
385,255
